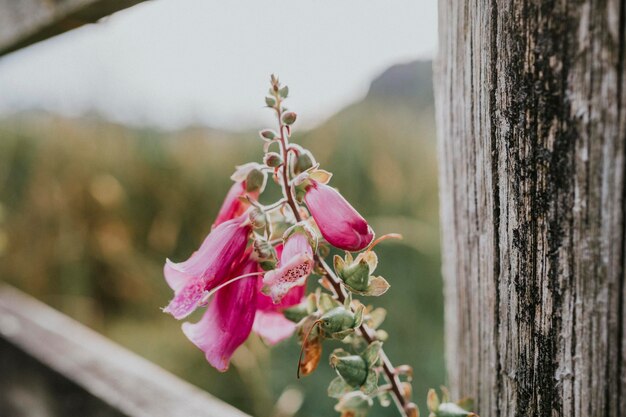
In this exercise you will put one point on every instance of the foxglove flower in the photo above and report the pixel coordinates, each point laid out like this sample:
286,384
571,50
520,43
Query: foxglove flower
233,206
228,320
207,267
269,322
296,263
340,224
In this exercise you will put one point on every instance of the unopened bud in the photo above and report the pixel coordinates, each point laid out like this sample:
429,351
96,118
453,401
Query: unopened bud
273,160
267,134
352,368
304,161
255,180
289,118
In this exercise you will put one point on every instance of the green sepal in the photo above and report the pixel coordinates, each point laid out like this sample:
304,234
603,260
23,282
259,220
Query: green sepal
352,368
338,388
296,313
371,382
358,316
356,275
371,353
326,303
355,402
338,264
268,265
340,335
376,317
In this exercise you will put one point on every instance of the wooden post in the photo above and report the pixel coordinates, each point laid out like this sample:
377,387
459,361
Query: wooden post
24,22
532,129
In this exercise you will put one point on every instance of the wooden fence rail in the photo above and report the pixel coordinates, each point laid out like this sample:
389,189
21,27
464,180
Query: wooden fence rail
51,366
24,22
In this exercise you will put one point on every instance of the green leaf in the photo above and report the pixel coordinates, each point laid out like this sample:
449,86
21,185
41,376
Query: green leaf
284,92
270,101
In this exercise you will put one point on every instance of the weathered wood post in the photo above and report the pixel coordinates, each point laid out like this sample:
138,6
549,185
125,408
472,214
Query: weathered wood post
532,133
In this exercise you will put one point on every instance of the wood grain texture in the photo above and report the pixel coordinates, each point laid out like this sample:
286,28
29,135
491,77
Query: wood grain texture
70,370
532,134
24,22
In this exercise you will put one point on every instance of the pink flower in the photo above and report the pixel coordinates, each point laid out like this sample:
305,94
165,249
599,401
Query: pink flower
296,263
233,206
340,224
207,267
269,322
228,320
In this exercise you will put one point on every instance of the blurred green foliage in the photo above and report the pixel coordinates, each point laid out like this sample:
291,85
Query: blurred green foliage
89,211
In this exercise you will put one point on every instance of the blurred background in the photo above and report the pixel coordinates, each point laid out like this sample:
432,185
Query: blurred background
117,141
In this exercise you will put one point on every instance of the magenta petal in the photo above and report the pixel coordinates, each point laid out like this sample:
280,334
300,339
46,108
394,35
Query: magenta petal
296,263
186,299
272,326
293,297
231,207
227,321
207,267
340,224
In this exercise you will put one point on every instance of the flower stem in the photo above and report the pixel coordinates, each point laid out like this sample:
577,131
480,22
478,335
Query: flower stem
367,333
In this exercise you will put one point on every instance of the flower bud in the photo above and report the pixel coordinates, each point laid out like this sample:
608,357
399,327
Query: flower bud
339,322
289,118
255,180
267,134
352,368
340,224
356,274
304,161
273,160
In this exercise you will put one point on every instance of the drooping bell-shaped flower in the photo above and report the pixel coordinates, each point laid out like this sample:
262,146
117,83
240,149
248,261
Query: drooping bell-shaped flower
296,263
270,323
228,320
340,224
233,206
207,267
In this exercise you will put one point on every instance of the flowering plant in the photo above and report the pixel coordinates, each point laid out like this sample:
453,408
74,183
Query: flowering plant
252,269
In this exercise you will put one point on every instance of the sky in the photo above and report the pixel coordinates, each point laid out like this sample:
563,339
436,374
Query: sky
170,63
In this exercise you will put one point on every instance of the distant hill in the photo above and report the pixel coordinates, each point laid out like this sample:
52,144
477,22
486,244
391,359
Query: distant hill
411,81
